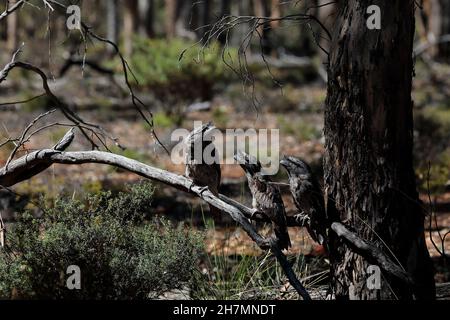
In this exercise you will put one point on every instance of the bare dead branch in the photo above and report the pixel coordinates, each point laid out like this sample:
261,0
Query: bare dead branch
361,247
136,101
21,140
71,61
68,113
224,25
22,101
11,9
423,47
15,174
293,280
37,161
139,105
366,250
370,252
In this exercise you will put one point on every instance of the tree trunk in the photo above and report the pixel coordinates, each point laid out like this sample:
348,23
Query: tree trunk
205,19
436,14
12,24
275,13
146,17
112,21
262,9
369,176
171,16
130,24
151,16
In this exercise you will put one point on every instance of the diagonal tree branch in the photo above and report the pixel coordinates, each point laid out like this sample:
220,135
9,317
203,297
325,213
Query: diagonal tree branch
139,105
11,9
68,113
22,173
370,252
37,161
367,250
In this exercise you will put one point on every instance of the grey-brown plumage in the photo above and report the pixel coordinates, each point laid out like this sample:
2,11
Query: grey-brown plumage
203,171
308,197
2,233
266,197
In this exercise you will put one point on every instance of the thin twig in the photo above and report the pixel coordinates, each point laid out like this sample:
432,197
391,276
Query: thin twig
371,253
22,137
11,9
68,113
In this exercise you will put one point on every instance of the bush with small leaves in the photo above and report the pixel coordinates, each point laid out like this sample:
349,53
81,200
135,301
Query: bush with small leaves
122,254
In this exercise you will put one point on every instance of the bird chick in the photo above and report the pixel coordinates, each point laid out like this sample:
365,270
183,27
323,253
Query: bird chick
204,171
266,197
308,197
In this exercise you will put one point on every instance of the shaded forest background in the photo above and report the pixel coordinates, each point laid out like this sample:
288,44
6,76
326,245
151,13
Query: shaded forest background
289,95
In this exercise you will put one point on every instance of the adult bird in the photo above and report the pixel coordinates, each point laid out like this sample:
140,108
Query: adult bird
266,197
202,161
308,197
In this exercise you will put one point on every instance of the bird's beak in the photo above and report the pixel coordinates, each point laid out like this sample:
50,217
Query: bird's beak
239,157
284,162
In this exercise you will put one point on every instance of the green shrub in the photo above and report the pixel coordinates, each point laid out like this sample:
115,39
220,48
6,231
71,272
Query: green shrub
166,120
177,68
220,116
119,255
434,177
431,146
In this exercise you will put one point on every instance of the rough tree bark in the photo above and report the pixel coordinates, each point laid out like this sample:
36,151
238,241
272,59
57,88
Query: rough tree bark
369,177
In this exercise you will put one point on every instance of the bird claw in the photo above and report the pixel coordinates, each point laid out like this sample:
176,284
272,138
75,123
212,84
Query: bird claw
203,189
302,219
251,218
272,242
267,243
254,213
